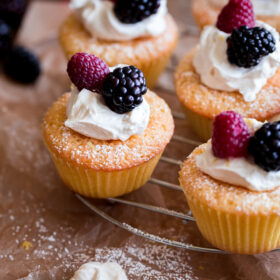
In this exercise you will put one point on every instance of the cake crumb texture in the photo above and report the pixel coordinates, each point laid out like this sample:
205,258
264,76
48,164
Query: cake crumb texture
225,197
74,38
208,102
108,155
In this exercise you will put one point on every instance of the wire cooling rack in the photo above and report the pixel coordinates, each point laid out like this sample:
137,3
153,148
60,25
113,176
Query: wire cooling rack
152,208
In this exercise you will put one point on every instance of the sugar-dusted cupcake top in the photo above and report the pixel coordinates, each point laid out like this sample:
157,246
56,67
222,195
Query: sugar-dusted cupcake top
225,196
106,103
238,54
121,20
108,155
244,153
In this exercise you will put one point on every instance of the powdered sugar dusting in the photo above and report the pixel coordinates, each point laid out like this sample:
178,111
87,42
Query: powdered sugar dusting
106,155
225,196
149,255
147,260
209,102
74,37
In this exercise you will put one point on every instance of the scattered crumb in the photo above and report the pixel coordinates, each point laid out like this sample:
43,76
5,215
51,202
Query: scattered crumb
26,245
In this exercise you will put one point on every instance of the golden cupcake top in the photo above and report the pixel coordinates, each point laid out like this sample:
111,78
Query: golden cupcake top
240,165
237,54
121,20
74,38
108,121
114,154
223,196
208,102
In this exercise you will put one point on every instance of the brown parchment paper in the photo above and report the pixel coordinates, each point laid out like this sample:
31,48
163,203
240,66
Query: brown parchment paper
45,232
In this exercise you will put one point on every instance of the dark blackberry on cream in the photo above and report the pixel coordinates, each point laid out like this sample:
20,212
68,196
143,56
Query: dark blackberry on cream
123,89
247,46
133,11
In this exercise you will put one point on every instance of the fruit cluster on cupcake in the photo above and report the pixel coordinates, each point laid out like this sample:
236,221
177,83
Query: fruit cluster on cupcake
107,135
232,184
122,89
136,32
242,152
205,11
136,10
232,138
247,44
235,67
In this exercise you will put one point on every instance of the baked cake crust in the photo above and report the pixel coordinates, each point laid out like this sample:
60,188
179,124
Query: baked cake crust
113,155
74,38
222,196
208,102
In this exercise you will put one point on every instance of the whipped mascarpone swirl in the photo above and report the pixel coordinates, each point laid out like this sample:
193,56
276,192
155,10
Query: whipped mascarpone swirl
216,72
100,271
99,19
238,171
261,7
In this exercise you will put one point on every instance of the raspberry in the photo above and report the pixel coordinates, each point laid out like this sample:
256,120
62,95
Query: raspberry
230,135
123,89
87,71
235,14
5,38
264,146
12,11
132,11
246,46
22,65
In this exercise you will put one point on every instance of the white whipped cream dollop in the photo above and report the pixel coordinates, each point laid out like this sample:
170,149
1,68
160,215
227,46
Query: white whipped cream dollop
88,115
99,19
216,72
261,7
238,171
100,271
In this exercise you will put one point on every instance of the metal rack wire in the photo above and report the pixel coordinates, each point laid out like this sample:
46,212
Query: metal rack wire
156,209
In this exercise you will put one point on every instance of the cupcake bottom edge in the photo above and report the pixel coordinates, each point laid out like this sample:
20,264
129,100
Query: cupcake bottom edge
103,184
235,232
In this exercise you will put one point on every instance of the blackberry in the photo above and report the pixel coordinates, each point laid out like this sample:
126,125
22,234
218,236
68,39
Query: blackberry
132,11
246,46
264,146
12,12
5,38
22,65
123,89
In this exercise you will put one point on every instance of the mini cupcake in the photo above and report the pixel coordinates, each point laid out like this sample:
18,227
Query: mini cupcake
139,33
107,135
235,67
232,185
205,11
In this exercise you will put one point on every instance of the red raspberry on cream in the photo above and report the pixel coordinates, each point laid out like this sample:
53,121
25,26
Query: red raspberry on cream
230,135
235,14
86,71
